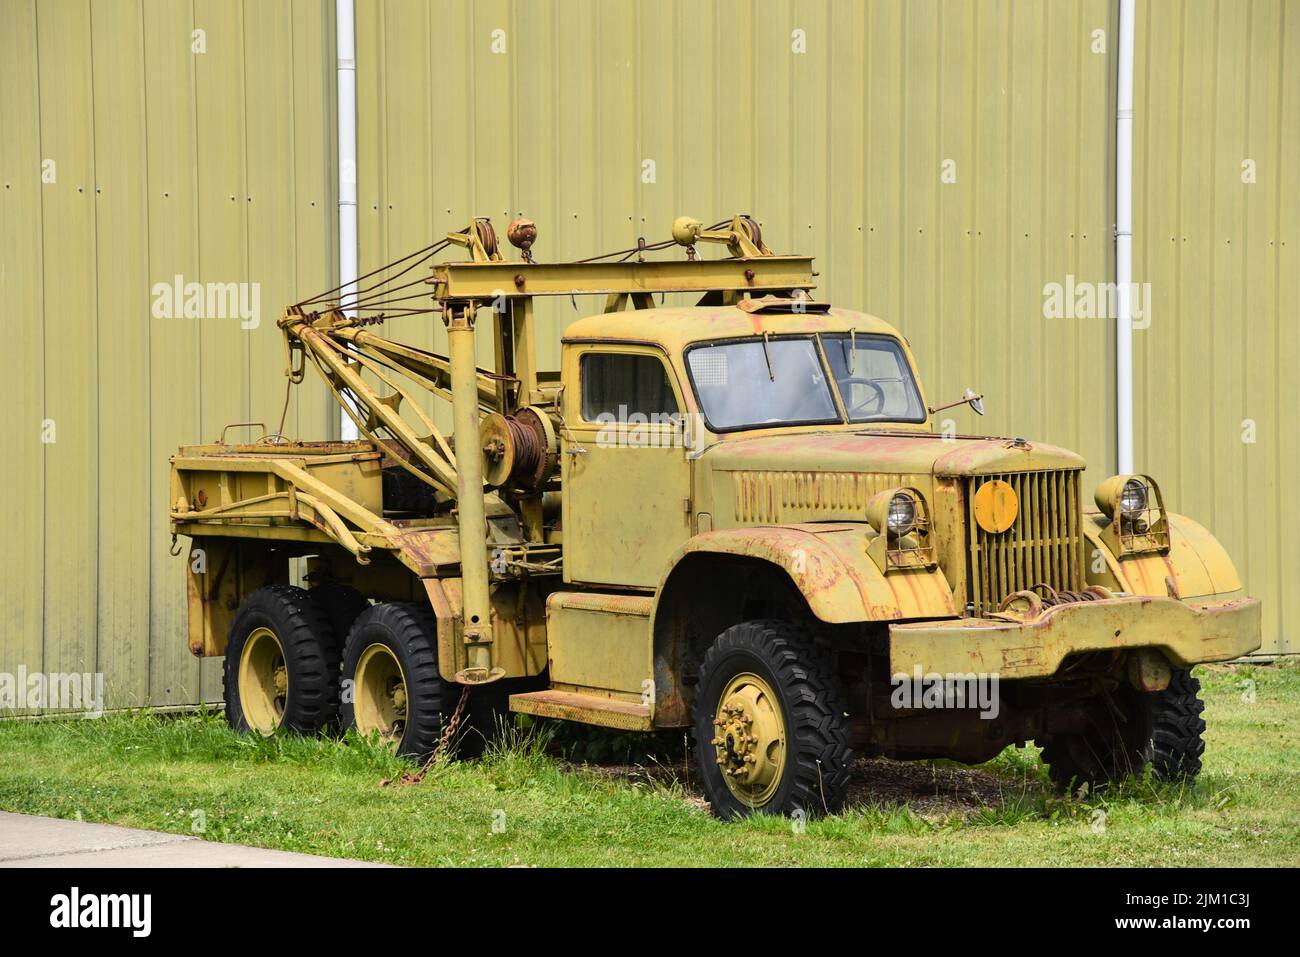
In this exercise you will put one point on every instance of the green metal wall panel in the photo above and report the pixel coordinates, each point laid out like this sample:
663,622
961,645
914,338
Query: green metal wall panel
220,167
121,276
1218,85
22,564
217,166
68,248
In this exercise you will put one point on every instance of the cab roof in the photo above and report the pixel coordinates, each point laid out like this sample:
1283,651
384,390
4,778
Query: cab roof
677,327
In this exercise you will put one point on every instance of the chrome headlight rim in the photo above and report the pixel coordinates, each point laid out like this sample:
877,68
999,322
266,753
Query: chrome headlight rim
901,514
1134,497
898,512
1129,497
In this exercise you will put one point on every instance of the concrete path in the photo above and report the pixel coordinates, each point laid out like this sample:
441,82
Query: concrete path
28,841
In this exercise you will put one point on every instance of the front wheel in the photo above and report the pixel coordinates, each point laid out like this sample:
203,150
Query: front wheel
771,731
1160,729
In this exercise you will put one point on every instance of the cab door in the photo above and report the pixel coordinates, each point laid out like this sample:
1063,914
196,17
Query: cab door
626,478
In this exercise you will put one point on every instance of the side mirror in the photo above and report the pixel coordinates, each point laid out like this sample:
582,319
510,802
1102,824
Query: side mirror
971,398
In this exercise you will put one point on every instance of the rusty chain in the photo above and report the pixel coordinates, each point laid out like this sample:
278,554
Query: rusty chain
444,742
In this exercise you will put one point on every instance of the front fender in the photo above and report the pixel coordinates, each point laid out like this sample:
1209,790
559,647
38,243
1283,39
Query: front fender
1196,565
829,565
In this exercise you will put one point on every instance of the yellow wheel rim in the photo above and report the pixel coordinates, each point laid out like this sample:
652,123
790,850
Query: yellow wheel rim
263,681
750,739
379,694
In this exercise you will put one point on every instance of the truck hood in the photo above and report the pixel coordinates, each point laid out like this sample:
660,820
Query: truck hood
918,453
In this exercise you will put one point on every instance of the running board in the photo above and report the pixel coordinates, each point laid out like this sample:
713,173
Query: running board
586,708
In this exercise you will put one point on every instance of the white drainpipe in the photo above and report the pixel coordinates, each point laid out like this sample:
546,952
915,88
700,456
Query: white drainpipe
1124,242
347,127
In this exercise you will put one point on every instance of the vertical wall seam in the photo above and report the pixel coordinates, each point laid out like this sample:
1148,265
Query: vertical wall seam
93,197
1009,191
1278,495
245,213
295,213
1243,394
151,546
1213,220
45,379
1177,259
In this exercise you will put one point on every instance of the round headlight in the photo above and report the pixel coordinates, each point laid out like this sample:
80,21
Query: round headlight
902,514
1134,497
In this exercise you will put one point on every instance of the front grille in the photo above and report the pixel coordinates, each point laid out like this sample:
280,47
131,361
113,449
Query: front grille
1044,544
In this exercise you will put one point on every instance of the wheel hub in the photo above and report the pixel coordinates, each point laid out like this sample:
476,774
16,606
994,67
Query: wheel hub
380,696
263,681
750,739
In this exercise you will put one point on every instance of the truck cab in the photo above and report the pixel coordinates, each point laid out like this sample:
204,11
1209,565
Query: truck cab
658,403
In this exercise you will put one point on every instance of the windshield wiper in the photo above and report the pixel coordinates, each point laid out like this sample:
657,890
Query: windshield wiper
771,373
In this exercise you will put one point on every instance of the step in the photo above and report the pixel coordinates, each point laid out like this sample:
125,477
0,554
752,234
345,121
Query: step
586,708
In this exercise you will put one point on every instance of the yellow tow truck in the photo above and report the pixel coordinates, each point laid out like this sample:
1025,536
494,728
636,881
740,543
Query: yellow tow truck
734,517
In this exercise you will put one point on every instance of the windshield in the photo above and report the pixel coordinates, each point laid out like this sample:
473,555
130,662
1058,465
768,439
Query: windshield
874,379
751,383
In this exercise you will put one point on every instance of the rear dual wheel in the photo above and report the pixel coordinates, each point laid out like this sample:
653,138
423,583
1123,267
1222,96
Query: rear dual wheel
395,692
342,605
282,664
390,668
301,661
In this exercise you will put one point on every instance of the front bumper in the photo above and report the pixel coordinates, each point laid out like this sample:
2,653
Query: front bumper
1188,632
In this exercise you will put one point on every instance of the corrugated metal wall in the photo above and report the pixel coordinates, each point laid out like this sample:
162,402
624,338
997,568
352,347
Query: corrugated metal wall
216,166
1216,389
219,166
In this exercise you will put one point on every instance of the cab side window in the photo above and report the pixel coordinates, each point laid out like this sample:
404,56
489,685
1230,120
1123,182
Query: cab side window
619,385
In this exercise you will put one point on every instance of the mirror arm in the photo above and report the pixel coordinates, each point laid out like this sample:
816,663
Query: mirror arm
969,398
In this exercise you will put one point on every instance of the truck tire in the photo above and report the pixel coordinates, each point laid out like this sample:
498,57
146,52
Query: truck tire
395,690
771,731
1163,729
282,664
342,605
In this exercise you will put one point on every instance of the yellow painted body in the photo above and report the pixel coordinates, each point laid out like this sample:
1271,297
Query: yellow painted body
625,538
1195,566
599,644
795,499
1187,633
829,565
637,506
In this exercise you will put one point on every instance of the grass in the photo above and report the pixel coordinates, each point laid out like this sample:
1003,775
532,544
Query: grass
325,797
